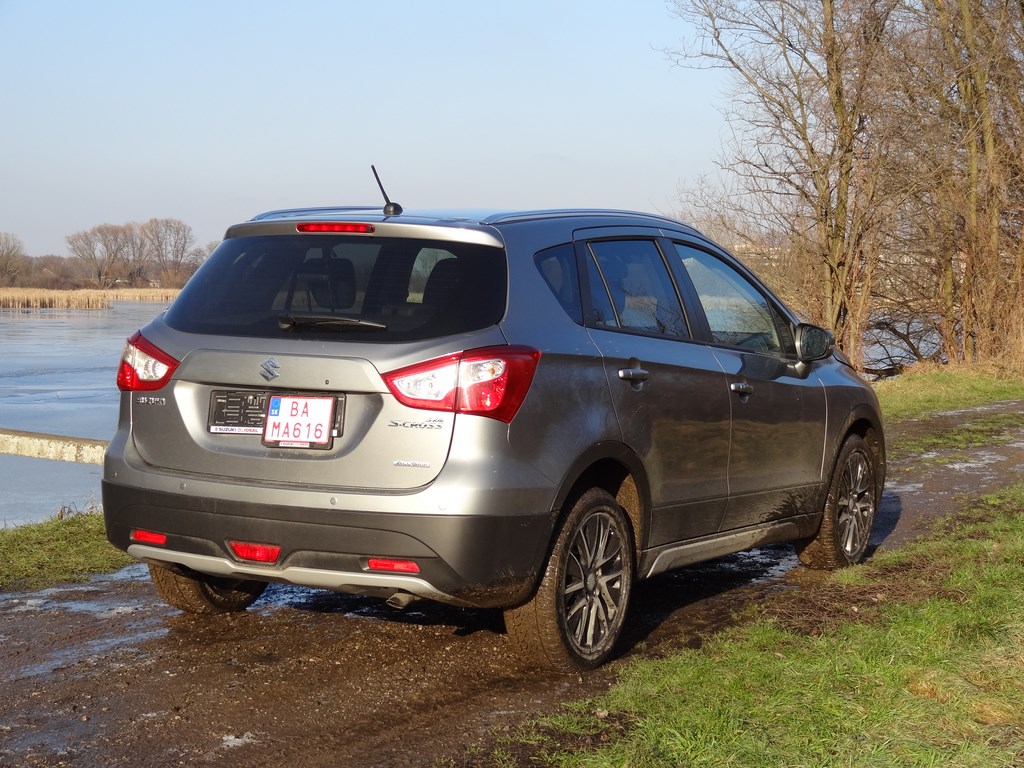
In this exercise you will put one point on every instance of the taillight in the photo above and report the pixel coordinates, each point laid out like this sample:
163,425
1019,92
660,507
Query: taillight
492,381
143,366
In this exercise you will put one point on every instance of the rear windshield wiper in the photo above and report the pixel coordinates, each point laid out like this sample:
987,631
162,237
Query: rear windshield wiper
327,322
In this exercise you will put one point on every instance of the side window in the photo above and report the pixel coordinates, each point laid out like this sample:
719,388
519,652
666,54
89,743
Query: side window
558,268
632,288
739,314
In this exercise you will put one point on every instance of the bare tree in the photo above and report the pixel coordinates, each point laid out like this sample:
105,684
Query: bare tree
978,39
201,253
173,248
805,150
12,258
137,257
101,249
956,263
883,140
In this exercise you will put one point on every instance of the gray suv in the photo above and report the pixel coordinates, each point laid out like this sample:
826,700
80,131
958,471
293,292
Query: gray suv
527,411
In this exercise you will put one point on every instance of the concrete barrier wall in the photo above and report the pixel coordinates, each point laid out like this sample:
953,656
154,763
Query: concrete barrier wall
82,450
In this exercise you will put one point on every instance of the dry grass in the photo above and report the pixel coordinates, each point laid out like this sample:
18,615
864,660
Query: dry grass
36,298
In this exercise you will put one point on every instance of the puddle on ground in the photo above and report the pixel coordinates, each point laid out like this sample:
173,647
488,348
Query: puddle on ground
90,598
90,653
761,564
136,616
987,408
979,461
901,488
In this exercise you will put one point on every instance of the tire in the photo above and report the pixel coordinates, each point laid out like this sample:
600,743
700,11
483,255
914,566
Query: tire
575,618
204,594
849,511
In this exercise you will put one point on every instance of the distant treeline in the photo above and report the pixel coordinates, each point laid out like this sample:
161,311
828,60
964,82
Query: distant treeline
159,253
49,273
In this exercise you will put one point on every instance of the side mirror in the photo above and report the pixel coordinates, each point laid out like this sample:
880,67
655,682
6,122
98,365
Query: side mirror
813,342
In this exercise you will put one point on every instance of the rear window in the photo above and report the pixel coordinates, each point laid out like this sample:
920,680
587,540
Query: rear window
355,288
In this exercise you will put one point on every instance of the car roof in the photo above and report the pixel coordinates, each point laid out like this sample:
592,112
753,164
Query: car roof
481,226
459,216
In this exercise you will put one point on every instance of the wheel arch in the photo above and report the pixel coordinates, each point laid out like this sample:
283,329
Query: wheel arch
615,468
866,423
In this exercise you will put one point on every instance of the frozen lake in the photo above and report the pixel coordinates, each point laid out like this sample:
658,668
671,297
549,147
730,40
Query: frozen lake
57,374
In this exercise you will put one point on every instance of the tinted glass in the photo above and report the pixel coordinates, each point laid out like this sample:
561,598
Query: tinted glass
633,289
351,288
601,310
739,314
558,268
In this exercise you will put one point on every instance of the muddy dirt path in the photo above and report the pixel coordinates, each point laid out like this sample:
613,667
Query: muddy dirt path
104,674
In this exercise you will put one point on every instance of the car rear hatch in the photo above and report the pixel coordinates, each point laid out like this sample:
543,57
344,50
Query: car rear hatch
282,340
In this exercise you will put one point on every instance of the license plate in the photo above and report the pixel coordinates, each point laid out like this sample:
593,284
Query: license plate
294,421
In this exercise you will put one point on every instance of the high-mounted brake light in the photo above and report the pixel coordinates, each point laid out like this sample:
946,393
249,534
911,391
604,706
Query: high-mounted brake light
335,226
492,381
144,366
257,553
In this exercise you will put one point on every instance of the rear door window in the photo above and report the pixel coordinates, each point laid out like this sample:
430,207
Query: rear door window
355,288
631,289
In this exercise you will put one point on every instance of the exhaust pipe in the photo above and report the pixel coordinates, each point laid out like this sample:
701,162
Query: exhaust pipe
401,600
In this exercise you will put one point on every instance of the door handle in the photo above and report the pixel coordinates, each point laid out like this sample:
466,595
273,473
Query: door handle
741,388
633,374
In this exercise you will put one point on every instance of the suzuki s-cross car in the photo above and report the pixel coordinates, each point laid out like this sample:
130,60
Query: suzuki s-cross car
527,411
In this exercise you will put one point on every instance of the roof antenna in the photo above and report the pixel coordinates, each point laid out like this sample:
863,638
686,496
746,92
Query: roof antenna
390,209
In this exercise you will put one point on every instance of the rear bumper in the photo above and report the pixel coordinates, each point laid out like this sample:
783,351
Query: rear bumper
474,560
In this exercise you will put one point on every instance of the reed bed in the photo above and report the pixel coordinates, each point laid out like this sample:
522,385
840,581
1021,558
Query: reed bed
37,298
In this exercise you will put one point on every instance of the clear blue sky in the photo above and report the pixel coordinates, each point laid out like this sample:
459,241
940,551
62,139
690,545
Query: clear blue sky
123,110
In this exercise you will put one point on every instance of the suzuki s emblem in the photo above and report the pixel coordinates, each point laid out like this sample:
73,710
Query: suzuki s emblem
269,366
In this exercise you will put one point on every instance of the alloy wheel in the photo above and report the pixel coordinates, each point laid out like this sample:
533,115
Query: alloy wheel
856,504
592,589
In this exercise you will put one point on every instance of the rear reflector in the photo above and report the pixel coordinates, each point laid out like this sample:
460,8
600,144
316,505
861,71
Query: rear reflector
335,226
392,566
257,553
148,537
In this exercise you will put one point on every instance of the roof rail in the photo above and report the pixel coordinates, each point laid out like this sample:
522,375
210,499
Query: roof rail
506,218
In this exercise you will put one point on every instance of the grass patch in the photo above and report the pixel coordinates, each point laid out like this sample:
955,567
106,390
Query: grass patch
980,431
38,298
913,659
928,389
69,547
